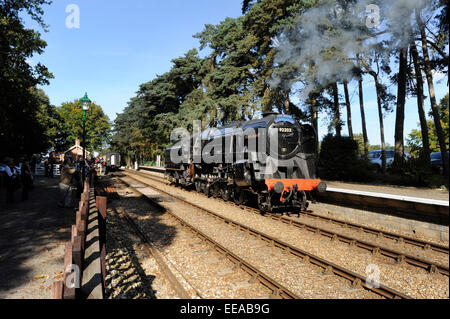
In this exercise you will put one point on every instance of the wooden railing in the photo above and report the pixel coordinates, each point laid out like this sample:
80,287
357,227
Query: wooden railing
84,259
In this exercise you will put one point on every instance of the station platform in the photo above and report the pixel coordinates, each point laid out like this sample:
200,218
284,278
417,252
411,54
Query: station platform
33,234
402,193
407,193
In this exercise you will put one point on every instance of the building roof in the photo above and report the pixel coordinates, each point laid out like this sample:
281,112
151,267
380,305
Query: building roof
77,145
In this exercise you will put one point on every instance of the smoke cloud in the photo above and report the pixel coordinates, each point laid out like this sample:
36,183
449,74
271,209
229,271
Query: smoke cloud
324,41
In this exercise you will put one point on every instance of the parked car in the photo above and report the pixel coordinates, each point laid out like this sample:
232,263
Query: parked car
436,162
375,157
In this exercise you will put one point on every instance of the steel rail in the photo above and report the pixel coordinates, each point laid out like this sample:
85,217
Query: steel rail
382,233
375,249
370,230
108,189
328,267
400,257
175,283
278,290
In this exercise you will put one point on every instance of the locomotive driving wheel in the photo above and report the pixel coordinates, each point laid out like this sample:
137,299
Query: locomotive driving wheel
239,196
205,189
198,185
215,190
225,192
264,203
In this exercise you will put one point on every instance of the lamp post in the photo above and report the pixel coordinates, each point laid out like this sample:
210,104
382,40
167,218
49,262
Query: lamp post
85,104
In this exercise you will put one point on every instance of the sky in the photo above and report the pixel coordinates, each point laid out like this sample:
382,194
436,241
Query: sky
121,44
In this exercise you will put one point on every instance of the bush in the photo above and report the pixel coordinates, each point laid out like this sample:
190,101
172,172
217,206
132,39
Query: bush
412,168
339,160
416,172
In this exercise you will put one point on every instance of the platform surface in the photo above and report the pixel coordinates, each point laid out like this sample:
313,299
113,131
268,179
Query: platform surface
390,196
414,194
33,235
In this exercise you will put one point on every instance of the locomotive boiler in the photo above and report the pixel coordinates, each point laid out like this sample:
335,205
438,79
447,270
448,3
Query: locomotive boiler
272,159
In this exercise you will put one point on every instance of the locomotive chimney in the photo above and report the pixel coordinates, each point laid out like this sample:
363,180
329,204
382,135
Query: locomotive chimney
270,113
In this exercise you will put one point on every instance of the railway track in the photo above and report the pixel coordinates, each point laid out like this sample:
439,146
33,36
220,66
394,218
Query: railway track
328,267
278,290
152,251
398,256
362,228
108,190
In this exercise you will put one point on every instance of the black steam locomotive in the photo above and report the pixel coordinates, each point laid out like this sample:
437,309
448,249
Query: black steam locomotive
272,159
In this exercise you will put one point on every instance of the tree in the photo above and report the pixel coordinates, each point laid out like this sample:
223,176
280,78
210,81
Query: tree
272,79
429,77
361,107
336,110
97,125
20,131
230,74
55,131
400,110
349,109
415,139
380,62
425,149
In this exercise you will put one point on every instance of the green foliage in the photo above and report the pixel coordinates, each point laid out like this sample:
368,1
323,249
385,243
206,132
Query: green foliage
55,137
236,77
21,132
412,169
339,160
97,126
414,140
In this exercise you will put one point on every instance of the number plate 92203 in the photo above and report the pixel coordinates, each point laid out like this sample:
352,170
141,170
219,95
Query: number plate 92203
285,129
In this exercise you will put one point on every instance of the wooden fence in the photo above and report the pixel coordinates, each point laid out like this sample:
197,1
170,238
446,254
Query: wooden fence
84,259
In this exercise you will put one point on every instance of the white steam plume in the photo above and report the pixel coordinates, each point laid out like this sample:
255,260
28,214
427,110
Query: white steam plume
324,41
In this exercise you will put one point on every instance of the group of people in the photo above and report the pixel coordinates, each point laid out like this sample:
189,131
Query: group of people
72,178
20,174
16,177
49,166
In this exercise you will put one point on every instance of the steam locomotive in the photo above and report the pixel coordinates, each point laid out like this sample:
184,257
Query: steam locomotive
272,159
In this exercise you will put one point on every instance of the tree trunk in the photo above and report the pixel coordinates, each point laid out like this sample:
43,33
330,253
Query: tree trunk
315,117
425,153
349,110
380,116
337,115
363,116
401,96
287,101
434,107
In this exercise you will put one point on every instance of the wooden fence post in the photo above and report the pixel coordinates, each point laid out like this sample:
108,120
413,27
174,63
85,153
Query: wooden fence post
101,205
68,293
77,255
81,231
57,290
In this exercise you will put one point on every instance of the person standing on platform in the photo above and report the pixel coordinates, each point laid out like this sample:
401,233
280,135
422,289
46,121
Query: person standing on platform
27,180
64,185
12,180
46,168
51,166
